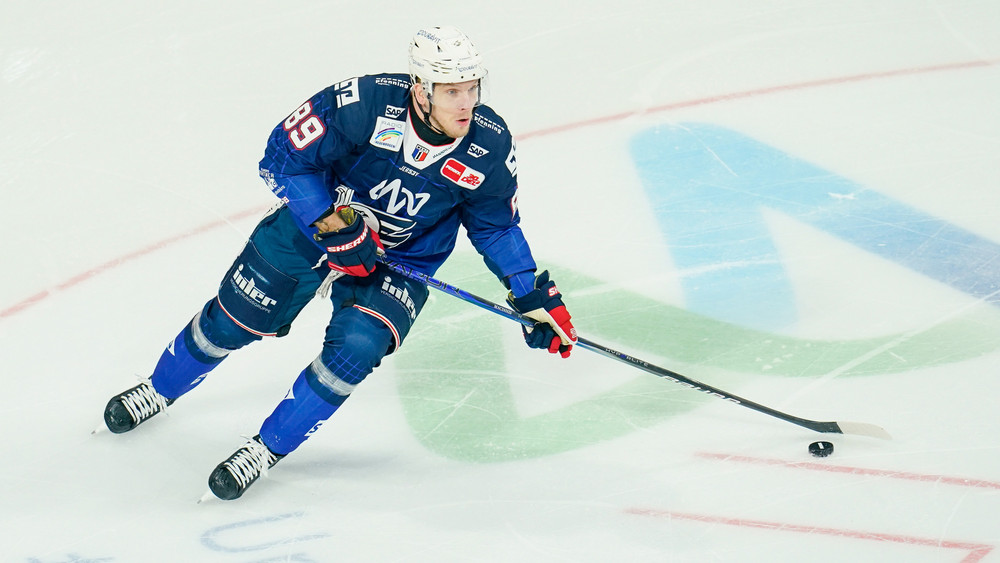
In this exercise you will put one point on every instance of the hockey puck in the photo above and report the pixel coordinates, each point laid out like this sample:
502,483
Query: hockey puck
821,449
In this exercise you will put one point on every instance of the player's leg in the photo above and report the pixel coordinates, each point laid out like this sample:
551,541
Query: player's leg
355,345
186,360
375,319
263,291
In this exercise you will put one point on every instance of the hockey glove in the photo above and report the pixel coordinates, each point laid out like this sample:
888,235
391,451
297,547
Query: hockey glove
353,249
553,329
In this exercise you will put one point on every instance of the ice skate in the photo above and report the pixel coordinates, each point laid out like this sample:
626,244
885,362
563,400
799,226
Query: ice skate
133,407
232,477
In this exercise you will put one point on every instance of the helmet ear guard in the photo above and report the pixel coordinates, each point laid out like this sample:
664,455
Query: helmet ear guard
445,55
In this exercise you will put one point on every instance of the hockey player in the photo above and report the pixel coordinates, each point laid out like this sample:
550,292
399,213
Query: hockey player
387,164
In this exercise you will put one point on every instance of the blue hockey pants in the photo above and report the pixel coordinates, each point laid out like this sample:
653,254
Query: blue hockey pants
275,276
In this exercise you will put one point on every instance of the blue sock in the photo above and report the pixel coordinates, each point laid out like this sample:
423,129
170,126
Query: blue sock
183,365
298,415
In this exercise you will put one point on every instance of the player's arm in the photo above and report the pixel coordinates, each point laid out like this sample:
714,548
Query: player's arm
292,165
302,149
493,230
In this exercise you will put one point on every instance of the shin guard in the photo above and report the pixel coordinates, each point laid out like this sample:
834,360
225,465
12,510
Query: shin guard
298,415
186,361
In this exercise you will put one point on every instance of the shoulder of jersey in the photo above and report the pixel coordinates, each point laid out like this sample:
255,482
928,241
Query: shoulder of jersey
490,127
387,93
487,155
360,101
370,93
489,140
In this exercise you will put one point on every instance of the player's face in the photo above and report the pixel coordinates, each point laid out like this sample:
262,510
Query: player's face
452,107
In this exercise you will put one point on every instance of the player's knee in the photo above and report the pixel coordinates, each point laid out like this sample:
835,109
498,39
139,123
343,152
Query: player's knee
357,355
354,347
218,330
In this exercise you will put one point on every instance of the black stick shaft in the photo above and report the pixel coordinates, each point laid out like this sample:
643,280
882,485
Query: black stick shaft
826,427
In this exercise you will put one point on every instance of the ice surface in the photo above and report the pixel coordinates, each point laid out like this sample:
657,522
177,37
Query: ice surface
130,136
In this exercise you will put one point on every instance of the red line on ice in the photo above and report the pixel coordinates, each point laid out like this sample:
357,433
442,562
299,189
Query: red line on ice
976,551
891,474
121,260
745,94
44,294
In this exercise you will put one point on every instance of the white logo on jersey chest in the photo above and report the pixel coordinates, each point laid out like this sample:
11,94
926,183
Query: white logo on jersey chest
399,197
388,134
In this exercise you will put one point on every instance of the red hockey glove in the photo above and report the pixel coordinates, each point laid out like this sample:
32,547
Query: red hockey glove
353,249
553,331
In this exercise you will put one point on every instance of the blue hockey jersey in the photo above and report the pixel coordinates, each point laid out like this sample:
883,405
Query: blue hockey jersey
359,133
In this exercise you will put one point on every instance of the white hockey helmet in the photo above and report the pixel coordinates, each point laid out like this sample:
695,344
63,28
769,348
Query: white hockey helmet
444,55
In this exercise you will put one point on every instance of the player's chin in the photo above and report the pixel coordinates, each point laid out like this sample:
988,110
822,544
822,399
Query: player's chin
461,127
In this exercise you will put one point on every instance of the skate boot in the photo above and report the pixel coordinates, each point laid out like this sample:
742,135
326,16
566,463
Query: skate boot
133,407
232,477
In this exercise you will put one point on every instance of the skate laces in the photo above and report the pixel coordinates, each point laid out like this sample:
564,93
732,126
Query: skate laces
143,402
250,461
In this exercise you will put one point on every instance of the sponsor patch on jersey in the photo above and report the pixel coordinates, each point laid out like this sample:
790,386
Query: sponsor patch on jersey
388,134
393,112
387,81
476,151
420,153
461,174
488,123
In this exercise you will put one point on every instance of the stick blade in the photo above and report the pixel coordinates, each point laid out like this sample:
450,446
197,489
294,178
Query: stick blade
864,429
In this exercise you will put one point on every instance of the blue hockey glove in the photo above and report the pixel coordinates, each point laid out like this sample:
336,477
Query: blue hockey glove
354,249
553,329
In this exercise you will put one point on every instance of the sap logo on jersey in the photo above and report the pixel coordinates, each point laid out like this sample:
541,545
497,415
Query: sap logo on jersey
393,111
461,174
476,151
388,134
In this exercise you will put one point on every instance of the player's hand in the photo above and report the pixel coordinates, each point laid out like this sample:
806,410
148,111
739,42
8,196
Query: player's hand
330,223
553,329
340,214
353,249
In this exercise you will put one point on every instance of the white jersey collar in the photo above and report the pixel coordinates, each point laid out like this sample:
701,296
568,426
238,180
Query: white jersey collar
419,153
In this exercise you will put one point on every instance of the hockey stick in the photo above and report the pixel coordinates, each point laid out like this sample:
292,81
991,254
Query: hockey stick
859,428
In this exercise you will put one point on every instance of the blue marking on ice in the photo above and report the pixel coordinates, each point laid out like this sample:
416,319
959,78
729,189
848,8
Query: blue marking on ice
708,185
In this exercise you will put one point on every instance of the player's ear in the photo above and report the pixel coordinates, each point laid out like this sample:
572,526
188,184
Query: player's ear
419,94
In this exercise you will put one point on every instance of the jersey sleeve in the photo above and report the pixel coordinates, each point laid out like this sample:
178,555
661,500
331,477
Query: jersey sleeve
491,217
302,149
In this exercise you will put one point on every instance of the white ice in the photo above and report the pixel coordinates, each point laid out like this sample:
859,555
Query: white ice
129,137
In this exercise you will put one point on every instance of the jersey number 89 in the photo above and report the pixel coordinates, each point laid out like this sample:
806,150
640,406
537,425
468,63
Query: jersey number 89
303,127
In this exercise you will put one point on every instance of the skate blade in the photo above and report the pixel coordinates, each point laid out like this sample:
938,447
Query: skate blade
209,495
